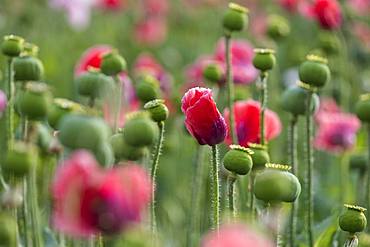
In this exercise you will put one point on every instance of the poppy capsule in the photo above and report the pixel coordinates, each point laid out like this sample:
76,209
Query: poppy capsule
34,102
12,45
314,71
260,156
235,18
93,83
157,109
104,154
363,108
353,219
276,184
124,151
60,108
19,160
213,73
113,63
264,59
238,159
277,27
139,130
147,88
28,68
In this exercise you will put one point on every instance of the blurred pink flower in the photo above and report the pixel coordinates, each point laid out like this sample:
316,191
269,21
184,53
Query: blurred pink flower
3,102
194,71
89,200
112,4
156,7
362,32
289,5
337,132
235,235
327,106
91,58
327,13
360,7
151,31
241,52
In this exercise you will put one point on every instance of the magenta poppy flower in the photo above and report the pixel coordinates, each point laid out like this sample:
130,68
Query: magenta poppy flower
151,31
92,57
202,118
3,102
235,235
89,200
247,123
337,132
327,13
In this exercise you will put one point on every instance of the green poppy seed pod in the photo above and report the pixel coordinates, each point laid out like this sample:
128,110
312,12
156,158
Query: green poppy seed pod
8,232
238,159
363,108
123,151
30,49
113,63
34,103
139,131
12,45
104,154
92,83
213,72
329,43
80,131
235,18
28,68
259,156
353,219
276,184
147,88
277,27
294,100
20,160
60,108
157,109
314,71
264,59
358,162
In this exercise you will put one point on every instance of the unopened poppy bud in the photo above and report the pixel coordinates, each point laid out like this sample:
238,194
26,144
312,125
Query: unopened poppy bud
259,156
294,100
358,162
235,18
363,108
8,230
157,109
147,88
264,59
19,160
12,45
314,71
123,151
276,184
28,68
92,83
60,108
353,219
113,63
238,159
213,72
35,102
277,27
30,50
139,131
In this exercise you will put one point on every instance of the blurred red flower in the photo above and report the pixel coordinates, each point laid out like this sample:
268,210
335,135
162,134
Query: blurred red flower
91,58
202,118
327,13
235,235
247,121
89,200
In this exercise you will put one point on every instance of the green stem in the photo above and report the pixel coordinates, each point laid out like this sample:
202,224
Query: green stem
25,216
231,194
33,208
154,173
294,163
215,189
117,108
92,102
264,94
308,179
279,237
368,176
251,188
230,89
10,115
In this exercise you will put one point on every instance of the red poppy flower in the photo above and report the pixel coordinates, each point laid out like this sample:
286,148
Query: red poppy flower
327,13
247,120
89,200
202,118
91,58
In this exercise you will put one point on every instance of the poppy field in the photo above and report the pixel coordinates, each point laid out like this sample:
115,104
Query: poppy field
194,123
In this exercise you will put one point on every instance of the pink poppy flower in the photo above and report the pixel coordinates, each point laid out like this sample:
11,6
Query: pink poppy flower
327,106
247,120
156,7
202,118
360,7
337,132
151,31
235,235
89,200
289,5
327,13
241,52
194,72
3,102
92,57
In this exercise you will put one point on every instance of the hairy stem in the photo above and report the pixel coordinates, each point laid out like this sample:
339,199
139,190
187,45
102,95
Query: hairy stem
292,140
215,189
231,194
251,194
263,100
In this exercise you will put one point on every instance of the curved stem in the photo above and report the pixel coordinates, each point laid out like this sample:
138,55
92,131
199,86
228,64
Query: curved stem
231,194
154,173
308,179
294,163
264,95
230,89
215,189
